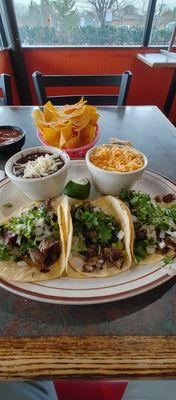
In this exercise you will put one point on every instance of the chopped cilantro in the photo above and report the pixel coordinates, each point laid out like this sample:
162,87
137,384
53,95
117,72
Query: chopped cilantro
105,235
23,229
4,253
7,205
94,225
16,258
25,247
118,245
169,260
81,246
140,251
147,212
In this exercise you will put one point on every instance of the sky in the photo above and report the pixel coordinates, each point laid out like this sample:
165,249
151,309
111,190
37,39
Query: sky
142,5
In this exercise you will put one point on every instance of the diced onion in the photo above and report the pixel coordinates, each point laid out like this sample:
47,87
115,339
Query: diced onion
162,235
39,222
21,264
151,233
120,235
162,244
172,224
173,234
38,231
150,249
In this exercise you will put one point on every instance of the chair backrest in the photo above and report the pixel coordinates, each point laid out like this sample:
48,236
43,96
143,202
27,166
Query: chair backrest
5,86
41,82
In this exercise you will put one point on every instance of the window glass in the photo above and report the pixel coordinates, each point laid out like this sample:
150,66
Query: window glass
2,32
81,22
164,22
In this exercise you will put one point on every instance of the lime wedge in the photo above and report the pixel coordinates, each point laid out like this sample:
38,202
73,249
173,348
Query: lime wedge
78,188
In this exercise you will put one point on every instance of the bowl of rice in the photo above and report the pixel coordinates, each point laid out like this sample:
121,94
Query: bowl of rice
114,167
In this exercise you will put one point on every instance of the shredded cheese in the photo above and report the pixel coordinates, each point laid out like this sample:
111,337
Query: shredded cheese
117,159
42,166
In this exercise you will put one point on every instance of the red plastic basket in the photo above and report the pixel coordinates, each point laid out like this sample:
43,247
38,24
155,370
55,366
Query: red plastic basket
77,152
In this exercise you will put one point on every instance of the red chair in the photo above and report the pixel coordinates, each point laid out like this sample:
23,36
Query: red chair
86,390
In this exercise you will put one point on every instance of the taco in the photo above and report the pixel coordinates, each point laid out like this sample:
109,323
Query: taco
32,244
99,238
154,222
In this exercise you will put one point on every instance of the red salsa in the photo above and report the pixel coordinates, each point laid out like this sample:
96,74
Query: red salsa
9,135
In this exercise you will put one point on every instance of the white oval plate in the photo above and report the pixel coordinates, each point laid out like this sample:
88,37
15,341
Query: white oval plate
94,290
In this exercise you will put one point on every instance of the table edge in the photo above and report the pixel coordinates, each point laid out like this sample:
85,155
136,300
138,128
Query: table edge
91,357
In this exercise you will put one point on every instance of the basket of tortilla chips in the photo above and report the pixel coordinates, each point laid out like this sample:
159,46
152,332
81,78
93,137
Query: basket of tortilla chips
71,127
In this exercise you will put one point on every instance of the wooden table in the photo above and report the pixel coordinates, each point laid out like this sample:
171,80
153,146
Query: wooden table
134,338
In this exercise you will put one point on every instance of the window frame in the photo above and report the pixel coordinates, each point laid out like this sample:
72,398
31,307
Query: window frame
149,22
145,40
3,34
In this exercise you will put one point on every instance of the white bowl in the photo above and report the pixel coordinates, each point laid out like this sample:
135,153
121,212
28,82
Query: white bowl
112,182
40,188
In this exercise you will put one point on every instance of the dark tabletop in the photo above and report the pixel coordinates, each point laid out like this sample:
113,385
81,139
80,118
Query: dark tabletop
152,313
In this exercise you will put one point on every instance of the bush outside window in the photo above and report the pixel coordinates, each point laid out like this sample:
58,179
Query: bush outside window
164,22
92,22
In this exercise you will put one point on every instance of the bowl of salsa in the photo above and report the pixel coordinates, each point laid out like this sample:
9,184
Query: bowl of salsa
12,138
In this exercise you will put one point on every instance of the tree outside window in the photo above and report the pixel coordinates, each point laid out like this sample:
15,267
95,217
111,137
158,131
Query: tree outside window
91,22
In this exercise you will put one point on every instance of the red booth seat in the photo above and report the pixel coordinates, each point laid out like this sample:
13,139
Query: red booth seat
90,390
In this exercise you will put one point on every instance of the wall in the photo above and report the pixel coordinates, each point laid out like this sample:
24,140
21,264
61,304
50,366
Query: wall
148,86
6,68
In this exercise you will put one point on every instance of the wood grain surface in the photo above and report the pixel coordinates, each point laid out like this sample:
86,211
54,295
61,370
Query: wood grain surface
88,358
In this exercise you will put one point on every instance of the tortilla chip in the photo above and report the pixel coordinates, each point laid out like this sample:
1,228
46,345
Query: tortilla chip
69,126
87,134
73,142
93,115
51,107
73,113
67,131
48,115
68,108
51,136
38,116
82,121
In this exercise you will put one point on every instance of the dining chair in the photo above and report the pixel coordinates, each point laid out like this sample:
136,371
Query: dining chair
5,88
41,82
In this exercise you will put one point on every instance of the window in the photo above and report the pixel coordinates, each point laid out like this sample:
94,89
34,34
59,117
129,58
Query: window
81,22
3,39
164,22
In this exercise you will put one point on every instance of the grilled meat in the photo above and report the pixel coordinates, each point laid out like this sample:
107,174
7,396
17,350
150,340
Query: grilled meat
9,238
37,257
47,254
47,204
168,198
141,235
95,263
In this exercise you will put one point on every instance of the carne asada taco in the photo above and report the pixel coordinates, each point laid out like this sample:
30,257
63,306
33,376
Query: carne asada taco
154,222
100,238
31,243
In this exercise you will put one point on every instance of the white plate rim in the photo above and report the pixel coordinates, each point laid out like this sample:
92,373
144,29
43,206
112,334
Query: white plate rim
42,297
